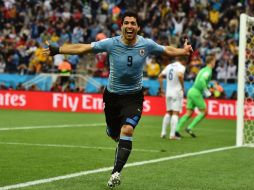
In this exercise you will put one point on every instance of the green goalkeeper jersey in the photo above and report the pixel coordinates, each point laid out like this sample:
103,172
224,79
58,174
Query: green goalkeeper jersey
203,78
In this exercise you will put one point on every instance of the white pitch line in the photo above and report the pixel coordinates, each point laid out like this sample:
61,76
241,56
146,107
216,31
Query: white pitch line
51,126
83,173
72,146
37,182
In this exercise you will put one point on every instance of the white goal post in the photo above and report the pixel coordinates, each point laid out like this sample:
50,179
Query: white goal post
245,89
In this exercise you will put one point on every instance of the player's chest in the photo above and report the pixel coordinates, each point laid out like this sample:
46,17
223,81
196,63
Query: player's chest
129,57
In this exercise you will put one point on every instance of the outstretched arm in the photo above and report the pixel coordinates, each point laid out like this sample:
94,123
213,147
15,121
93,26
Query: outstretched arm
173,52
75,48
72,49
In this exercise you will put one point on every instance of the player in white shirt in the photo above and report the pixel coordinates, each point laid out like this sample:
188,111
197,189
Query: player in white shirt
174,74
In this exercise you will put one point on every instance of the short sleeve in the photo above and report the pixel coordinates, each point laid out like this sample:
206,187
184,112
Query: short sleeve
182,69
102,46
155,48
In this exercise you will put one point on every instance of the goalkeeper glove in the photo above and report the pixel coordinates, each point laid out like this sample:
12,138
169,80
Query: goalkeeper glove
207,93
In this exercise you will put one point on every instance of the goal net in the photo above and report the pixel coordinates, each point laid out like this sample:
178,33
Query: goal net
245,90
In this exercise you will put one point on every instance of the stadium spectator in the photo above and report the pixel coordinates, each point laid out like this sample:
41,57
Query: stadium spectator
57,60
56,87
234,95
214,17
153,68
194,67
250,7
179,22
34,87
231,72
221,71
24,56
101,68
123,94
250,71
3,86
74,61
37,60
105,72
64,69
146,91
2,65
20,86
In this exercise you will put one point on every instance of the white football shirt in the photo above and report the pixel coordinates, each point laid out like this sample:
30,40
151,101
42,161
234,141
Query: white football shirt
173,84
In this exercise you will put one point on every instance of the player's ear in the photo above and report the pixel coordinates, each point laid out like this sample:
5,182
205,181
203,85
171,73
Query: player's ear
138,29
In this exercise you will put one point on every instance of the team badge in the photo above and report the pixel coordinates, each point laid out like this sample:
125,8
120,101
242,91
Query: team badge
142,52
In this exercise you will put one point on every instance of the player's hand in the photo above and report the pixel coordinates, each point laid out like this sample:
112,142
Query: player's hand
51,50
187,47
207,93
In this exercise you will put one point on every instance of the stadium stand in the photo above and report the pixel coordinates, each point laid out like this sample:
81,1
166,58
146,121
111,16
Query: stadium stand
211,26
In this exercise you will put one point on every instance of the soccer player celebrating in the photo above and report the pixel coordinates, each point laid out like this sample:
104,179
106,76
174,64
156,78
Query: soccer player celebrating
174,95
123,96
195,97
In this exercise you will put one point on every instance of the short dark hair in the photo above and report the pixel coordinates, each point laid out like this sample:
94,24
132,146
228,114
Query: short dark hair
130,14
209,58
183,58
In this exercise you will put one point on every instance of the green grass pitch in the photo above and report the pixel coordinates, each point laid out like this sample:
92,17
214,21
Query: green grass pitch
38,146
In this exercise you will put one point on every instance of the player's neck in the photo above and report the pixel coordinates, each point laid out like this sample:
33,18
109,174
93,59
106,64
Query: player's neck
210,66
129,42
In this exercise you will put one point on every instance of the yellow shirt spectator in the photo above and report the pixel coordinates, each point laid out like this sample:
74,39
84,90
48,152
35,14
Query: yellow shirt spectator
153,69
39,56
214,16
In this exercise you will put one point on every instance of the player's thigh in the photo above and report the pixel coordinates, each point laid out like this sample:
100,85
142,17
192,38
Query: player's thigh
196,100
113,119
174,103
132,108
200,104
112,116
190,105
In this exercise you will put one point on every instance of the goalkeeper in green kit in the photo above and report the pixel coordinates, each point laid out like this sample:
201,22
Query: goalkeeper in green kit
195,97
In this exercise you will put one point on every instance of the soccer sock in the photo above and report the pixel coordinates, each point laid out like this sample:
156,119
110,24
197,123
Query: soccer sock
196,120
182,121
122,153
173,125
165,123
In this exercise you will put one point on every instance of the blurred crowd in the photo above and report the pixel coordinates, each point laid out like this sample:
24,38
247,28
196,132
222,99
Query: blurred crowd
212,26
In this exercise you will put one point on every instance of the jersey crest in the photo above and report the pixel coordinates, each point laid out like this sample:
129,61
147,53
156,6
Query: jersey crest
142,52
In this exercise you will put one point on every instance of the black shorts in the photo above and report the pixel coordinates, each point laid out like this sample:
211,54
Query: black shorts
122,109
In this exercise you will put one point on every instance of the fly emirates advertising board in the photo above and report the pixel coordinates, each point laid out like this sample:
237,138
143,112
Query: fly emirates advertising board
93,103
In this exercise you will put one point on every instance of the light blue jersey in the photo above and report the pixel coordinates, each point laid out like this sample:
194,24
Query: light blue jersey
126,62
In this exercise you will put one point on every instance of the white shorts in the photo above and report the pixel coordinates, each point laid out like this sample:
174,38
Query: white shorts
174,103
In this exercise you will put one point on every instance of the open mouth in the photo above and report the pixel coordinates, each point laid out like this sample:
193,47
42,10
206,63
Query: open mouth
129,32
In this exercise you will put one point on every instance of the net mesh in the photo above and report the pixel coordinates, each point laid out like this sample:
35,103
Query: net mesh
249,84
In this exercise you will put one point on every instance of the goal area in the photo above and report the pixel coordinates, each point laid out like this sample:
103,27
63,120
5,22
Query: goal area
245,86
